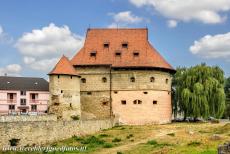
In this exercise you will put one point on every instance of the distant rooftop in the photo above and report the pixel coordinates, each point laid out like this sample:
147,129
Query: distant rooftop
23,83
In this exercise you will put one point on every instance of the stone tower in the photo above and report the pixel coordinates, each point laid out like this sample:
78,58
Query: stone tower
64,89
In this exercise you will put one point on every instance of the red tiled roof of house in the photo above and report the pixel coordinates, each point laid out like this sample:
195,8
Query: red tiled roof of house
64,67
139,52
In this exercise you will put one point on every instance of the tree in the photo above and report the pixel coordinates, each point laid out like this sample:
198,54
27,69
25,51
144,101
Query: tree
227,93
199,92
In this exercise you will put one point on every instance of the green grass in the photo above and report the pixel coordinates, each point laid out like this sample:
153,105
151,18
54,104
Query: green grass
194,143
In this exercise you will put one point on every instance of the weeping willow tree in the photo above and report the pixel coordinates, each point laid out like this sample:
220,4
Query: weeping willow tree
199,92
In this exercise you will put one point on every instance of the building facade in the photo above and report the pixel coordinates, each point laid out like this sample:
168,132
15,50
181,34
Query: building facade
123,76
22,95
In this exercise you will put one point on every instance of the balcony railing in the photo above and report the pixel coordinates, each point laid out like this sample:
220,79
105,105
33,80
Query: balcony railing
11,100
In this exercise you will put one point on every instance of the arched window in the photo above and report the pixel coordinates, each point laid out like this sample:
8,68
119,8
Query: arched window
104,79
132,79
152,79
83,80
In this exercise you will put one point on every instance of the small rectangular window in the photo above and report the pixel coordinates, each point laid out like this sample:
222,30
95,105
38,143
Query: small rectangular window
123,102
118,54
124,45
106,45
33,107
154,102
11,107
23,101
136,54
93,54
89,93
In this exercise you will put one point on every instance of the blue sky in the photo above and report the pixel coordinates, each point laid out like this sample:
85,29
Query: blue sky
29,48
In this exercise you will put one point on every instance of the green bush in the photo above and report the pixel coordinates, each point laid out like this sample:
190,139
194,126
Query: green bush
108,145
194,143
116,140
171,134
93,140
152,142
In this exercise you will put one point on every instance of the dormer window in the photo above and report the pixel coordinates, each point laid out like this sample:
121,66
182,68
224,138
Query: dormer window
93,53
117,53
135,53
106,45
125,45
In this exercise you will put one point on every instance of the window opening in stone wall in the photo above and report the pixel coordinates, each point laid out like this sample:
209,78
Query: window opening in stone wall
132,79
104,79
152,79
154,102
123,102
125,45
106,45
83,80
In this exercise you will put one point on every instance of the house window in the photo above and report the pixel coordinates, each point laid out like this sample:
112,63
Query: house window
132,79
104,79
137,101
61,91
11,96
71,77
125,45
123,102
23,101
58,76
145,92
166,81
115,92
135,54
152,79
93,54
33,107
33,96
106,45
154,102
117,53
23,92
83,80
11,107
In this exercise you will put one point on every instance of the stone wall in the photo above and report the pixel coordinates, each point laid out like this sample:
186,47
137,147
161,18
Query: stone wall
43,132
65,96
149,86
7,118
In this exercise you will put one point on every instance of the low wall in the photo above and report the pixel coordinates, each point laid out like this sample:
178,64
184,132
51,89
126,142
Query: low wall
43,132
17,118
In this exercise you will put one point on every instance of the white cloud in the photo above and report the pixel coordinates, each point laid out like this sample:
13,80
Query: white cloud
205,11
209,46
43,47
123,19
12,69
4,37
172,23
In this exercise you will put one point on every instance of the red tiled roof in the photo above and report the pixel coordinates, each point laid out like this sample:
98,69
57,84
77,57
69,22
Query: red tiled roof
137,40
64,67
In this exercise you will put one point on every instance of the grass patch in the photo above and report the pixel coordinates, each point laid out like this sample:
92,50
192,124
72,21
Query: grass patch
171,134
194,143
223,129
152,142
116,140
118,152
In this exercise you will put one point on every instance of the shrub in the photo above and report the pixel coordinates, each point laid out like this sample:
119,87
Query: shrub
116,140
152,142
171,134
194,143
77,138
108,145
118,152
103,135
93,140
129,136
14,142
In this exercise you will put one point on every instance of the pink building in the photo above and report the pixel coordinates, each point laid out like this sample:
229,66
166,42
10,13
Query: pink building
23,95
